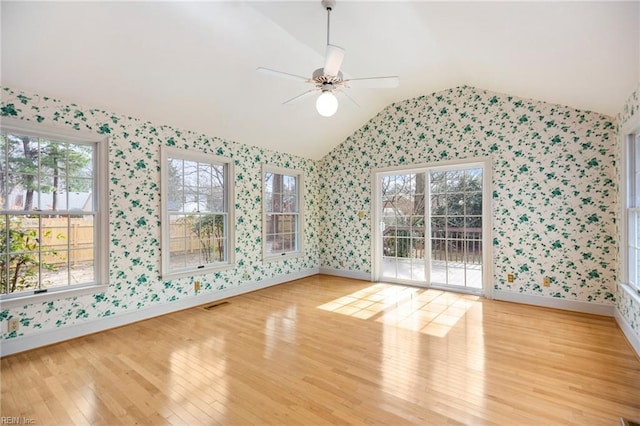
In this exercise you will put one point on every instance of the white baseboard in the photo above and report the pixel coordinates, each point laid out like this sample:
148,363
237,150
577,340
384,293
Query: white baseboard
20,344
346,274
631,336
555,302
49,337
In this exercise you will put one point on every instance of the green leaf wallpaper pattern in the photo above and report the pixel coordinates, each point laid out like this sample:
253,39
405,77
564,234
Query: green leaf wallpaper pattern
630,108
554,186
134,193
554,196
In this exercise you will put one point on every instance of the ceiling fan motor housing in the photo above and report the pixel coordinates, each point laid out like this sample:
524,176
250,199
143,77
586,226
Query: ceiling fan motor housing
323,81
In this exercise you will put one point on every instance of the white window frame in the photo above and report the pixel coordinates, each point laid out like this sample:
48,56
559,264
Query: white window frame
630,208
101,208
299,175
167,153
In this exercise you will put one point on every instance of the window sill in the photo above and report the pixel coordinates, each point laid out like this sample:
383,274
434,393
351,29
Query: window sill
52,294
168,276
631,292
283,256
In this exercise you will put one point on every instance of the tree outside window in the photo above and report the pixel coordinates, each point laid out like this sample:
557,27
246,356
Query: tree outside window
196,215
282,222
46,190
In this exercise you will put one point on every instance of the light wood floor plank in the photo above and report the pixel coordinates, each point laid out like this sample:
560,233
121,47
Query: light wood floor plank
327,350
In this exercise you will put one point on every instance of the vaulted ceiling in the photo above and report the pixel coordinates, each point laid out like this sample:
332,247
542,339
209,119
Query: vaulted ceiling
193,64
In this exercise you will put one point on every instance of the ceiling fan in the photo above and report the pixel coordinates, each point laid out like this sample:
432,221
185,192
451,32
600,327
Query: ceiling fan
329,79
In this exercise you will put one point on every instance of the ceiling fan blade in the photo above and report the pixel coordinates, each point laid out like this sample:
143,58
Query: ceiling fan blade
353,101
299,97
275,73
333,60
374,82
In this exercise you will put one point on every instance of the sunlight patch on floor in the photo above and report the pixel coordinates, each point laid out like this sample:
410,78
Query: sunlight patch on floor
428,311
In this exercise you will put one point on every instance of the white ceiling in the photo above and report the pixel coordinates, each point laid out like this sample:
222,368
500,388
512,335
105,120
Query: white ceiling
193,64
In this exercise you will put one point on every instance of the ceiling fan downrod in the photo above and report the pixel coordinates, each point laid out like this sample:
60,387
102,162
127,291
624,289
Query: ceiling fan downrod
329,5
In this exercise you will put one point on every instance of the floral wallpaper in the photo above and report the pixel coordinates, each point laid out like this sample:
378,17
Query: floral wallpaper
631,107
628,307
554,198
554,186
134,193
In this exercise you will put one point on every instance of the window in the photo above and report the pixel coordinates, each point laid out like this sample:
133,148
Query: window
633,209
197,220
53,224
282,212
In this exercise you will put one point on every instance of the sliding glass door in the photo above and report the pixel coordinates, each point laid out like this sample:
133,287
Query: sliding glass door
430,226
455,218
403,226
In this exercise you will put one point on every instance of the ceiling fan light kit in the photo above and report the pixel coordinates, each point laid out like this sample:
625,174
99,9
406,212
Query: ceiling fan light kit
329,80
327,104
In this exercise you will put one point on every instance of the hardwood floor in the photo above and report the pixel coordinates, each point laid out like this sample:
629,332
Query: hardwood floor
327,350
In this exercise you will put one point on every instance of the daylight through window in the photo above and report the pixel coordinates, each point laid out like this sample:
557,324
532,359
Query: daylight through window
633,209
49,221
282,199
196,220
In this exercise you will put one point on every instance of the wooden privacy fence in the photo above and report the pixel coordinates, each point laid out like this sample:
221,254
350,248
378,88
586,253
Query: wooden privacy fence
63,239
182,239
